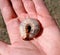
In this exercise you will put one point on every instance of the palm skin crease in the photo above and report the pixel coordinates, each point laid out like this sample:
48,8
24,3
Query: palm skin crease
46,44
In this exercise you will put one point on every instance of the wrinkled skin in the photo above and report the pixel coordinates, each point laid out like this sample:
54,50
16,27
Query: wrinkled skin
48,43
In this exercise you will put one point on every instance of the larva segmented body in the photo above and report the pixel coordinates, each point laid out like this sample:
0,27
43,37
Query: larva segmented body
29,28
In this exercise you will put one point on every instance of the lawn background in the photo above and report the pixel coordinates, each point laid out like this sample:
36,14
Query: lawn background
54,8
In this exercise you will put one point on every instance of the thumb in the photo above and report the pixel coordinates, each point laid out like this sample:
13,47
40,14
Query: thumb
3,47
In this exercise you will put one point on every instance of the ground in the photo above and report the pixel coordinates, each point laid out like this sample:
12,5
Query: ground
52,5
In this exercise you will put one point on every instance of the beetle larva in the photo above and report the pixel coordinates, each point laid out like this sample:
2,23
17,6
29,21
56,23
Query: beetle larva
29,28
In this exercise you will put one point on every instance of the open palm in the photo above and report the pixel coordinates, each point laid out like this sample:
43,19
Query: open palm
46,44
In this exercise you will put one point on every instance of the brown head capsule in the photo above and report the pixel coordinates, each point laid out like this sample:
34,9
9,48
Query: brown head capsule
29,28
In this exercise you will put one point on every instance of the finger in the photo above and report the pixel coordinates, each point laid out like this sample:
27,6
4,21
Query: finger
46,21
3,48
18,7
6,10
40,7
29,6
13,30
43,13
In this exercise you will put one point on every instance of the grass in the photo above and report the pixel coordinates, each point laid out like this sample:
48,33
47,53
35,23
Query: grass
54,8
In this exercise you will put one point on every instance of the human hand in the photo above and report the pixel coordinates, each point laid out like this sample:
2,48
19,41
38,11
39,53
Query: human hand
46,44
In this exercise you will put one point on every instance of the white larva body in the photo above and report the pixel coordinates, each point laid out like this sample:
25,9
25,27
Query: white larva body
35,27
